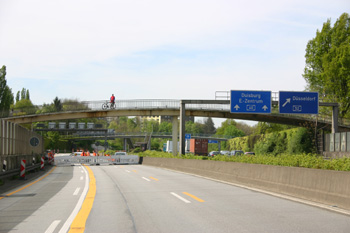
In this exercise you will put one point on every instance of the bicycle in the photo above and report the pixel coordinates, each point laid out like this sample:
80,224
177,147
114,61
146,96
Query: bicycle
108,105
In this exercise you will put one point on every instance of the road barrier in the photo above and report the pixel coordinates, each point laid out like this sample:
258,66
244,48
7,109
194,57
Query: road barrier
42,163
323,186
96,160
23,169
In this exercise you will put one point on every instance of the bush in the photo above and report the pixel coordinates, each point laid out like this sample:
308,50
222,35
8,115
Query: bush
297,160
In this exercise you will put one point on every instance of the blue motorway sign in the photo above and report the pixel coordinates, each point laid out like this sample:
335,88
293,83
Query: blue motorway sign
213,141
187,136
250,101
298,102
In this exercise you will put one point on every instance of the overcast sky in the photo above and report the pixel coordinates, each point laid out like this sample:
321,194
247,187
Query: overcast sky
157,49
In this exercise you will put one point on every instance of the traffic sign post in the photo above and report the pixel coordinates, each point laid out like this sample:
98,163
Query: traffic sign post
298,102
250,101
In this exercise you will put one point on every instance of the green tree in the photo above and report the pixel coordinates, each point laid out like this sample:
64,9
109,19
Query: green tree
27,95
57,104
264,128
23,94
166,127
327,68
6,96
18,96
24,106
208,126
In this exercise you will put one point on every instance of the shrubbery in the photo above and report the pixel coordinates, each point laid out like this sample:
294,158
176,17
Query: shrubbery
292,141
296,160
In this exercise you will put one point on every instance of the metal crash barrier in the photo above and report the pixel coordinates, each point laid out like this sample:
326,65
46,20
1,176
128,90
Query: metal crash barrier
96,160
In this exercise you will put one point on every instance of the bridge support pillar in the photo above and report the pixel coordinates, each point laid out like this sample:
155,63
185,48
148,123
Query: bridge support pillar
335,119
175,134
182,127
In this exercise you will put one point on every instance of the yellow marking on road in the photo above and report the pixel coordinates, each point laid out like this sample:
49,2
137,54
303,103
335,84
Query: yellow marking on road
30,184
153,178
78,224
134,171
193,196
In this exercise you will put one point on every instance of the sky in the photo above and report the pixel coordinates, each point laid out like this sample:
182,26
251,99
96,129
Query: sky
157,49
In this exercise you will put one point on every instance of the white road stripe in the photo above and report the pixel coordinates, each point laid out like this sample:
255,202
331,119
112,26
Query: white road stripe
146,179
127,171
181,198
53,226
76,192
82,177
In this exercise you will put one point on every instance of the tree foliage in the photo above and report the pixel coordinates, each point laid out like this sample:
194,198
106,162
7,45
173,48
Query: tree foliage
6,96
327,68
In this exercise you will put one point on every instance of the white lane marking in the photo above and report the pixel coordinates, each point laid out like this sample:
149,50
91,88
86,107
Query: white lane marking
70,219
82,177
146,179
127,171
53,226
82,171
181,198
76,192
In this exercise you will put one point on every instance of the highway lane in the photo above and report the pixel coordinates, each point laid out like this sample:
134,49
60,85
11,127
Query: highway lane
137,198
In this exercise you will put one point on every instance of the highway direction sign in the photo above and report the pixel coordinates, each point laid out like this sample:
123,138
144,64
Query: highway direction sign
250,101
213,141
298,102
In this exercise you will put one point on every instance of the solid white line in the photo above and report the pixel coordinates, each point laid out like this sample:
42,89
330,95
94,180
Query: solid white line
53,226
146,179
127,171
70,219
82,177
76,192
181,198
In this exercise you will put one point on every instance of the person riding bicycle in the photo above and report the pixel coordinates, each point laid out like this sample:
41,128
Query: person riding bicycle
112,99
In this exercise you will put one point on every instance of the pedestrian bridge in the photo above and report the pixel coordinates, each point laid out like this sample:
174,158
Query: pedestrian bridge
154,107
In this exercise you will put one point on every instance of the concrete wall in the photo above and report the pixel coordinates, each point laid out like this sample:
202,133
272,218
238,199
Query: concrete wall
322,186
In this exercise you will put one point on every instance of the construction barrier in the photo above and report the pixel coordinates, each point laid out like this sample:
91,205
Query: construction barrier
96,160
42,163
23,169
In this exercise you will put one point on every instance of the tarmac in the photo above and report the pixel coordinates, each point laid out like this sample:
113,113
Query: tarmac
12,183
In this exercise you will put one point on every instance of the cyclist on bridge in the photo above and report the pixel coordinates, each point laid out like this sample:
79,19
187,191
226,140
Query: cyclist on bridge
112,99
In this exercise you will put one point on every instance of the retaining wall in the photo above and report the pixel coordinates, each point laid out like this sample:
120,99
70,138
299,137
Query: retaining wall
322,186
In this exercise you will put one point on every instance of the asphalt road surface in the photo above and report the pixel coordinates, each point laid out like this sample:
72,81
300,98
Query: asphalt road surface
138,198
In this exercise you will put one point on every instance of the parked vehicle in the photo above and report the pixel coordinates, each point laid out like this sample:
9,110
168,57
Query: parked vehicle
225,152
236,152
120,153
249,153
213,153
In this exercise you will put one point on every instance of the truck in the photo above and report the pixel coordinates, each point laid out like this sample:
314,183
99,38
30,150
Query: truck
199,146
